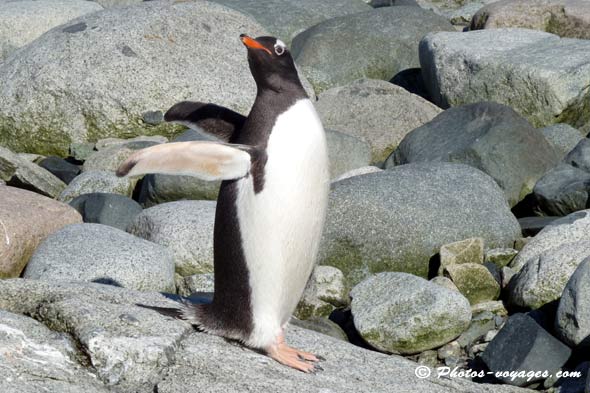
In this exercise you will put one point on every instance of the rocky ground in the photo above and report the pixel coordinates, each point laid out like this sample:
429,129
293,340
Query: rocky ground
458,229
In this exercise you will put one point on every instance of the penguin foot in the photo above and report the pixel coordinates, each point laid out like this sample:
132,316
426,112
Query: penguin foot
290,357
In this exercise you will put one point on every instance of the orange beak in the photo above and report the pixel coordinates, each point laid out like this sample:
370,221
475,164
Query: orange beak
252,43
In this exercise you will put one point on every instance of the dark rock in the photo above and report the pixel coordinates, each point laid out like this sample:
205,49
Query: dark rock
104,208
579,157
563,190
523,345
488,136
62,169
532,225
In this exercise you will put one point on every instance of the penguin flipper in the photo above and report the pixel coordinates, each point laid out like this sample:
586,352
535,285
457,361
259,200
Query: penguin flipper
205,160
213,119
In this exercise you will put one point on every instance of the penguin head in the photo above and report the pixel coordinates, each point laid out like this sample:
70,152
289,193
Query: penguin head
271,63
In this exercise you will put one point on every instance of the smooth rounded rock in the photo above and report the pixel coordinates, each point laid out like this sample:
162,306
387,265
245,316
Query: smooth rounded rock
488,136
108,209
184,227
402,313
97,181
377,111
346,153
100,253
375,44
397,220
26,219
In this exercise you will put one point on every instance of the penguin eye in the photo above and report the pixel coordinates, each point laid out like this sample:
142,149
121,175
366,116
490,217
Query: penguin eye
280,47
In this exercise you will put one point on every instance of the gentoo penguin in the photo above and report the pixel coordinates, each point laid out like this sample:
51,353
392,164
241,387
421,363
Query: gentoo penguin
271,205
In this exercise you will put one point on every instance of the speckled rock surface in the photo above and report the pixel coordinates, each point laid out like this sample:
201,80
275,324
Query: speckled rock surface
378,111
95,252
401,313
384,221
375,44
23,21
566,18
97,83
184,227
97,181
572,321
540,75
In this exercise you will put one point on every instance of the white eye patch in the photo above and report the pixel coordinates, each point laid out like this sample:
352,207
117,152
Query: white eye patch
280,47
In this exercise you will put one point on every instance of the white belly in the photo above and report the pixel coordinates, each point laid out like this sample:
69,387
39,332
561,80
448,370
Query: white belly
281,226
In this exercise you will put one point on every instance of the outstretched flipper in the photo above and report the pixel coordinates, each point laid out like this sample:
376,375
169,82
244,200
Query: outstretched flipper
205,160
213,119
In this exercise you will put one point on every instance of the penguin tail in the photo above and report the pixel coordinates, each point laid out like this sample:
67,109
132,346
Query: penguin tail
186,311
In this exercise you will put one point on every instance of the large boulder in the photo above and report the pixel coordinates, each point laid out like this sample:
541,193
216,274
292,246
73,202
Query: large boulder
566,18
26,219
572,321
563,190
184,227
85,80
132,349
105,208
375,44
100,253
346,153
97,181
402,313
538,74
285,19
488,136
378,111
24,20
397,220
562,137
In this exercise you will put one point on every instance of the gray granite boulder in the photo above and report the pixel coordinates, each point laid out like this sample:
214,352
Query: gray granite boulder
572,321
23,21
538,74
562,137
97,181
488,136
376,44
397,220
548,261
185,228
100,253
377,111
402,313
285,19
35,358
346,153
566,18
108,209
21,173
579,156
137,350
96,83
570,229
26,219
523,346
